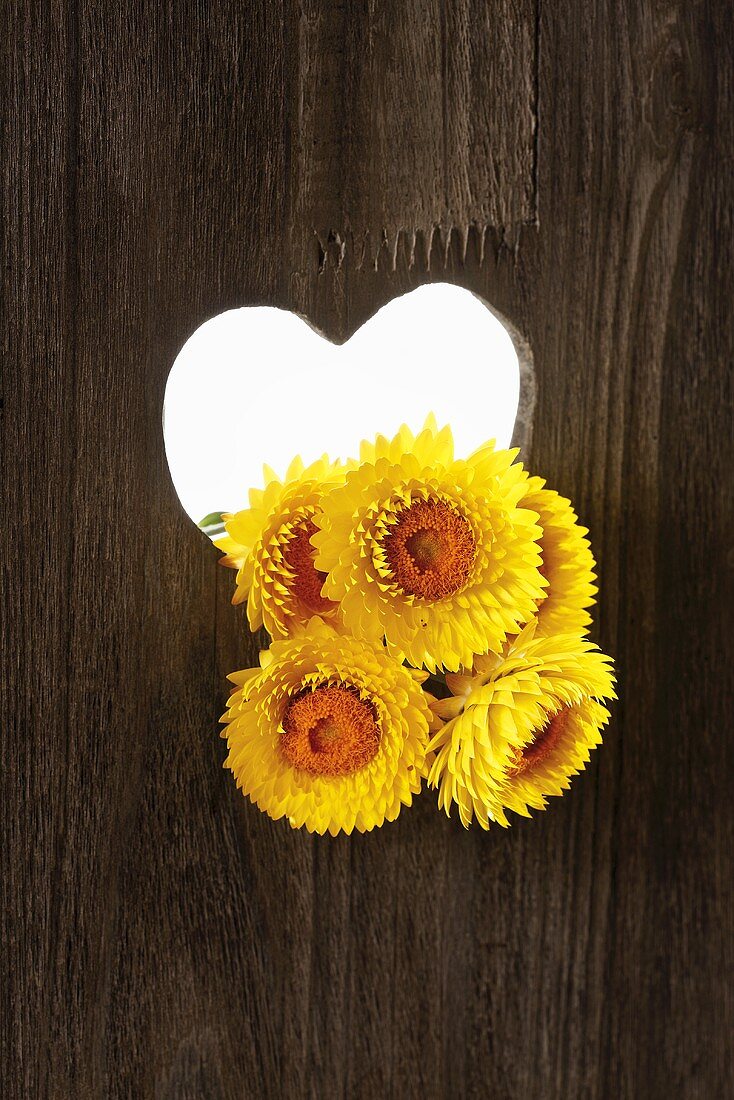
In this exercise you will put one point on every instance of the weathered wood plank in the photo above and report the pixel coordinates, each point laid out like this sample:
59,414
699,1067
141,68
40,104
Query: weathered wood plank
408,119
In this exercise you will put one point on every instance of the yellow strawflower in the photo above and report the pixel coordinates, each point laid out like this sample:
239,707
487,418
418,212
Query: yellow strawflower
435,555
568,563
519,726
329,732
269,545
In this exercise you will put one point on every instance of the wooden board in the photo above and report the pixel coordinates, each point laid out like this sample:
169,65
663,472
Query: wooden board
570,162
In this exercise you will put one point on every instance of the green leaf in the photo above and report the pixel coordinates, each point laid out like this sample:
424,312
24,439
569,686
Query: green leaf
212,525
210,520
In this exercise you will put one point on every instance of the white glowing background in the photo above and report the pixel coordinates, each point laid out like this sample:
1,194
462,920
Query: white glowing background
258,385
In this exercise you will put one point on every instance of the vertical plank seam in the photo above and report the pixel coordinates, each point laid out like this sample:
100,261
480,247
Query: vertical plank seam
536,116
70,290
289,107
444,120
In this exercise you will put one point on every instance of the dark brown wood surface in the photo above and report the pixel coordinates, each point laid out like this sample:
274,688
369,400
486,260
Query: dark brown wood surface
570,162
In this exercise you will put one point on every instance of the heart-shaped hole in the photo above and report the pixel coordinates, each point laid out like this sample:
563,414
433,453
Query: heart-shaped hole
259,385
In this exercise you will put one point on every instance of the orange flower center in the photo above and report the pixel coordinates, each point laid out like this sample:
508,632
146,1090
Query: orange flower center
299,558
430,550
329,730
543,743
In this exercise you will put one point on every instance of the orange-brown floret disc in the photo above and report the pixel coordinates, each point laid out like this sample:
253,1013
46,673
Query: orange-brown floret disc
543,743
329,730
430,550
299,558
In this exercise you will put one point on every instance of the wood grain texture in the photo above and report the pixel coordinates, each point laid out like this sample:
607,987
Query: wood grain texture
569,162
409,118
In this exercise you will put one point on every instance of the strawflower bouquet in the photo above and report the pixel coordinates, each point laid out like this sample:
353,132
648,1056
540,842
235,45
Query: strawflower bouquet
429,620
